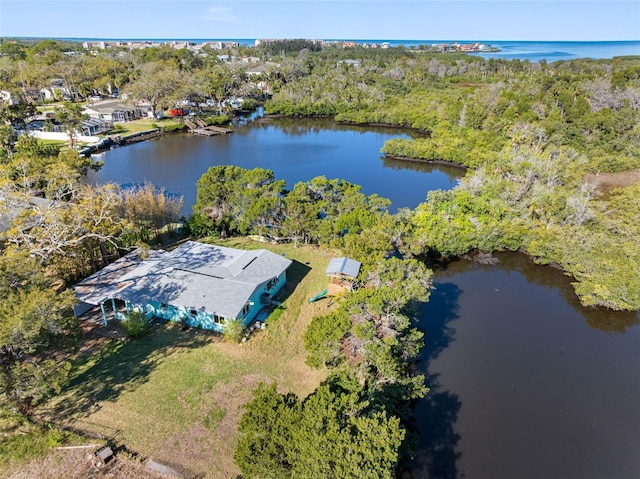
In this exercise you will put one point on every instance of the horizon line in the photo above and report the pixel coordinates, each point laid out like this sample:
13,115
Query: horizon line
2,37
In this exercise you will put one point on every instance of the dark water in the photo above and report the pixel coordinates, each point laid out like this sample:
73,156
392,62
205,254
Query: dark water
526,383
296,150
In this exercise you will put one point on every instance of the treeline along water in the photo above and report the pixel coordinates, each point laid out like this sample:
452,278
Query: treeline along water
524,381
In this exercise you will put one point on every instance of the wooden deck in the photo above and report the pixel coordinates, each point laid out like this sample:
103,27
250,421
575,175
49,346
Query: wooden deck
211,131
199,127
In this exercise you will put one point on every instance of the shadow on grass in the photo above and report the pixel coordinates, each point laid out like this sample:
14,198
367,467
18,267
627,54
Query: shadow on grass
295,274
119,366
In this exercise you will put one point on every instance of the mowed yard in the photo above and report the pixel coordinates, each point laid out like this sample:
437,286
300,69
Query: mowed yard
177,396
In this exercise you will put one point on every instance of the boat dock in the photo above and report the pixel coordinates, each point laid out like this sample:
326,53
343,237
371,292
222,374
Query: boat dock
199,127
108,142
211,130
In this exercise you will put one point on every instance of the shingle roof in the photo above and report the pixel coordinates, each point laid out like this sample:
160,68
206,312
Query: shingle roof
344,266
215,279
11,207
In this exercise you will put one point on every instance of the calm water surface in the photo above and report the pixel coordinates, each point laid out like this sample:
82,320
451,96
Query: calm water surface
526,383
296,150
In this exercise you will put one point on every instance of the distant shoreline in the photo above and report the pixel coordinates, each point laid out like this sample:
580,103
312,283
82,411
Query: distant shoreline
532,50
359,40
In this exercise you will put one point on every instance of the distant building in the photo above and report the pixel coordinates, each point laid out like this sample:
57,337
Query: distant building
9,98
351,63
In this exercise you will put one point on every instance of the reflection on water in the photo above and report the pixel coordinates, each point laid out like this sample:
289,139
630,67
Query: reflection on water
525,382
295,149
438,412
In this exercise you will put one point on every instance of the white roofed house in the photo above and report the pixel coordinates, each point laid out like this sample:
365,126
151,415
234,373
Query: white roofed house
114,111
8,97
198,284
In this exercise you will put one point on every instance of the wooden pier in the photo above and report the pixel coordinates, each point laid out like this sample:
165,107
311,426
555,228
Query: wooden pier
199,127
211,130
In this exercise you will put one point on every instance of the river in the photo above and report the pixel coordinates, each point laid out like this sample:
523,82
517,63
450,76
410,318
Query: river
525,383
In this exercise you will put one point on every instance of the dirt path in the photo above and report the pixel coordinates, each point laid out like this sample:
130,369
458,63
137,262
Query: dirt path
609,181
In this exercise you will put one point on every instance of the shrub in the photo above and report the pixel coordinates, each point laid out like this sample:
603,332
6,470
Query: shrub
135,325
276,313
233,330
217,120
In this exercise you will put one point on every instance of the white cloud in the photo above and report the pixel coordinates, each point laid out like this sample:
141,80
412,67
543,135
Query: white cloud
220,14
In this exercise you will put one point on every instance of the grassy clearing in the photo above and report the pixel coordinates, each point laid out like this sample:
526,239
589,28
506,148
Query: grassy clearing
177,396
21,441
61,143
608,181
143,124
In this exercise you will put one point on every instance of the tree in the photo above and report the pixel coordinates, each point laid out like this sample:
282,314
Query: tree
370,334
157,82
265,434
8,138
13,117
71,117
330,435
149,208
37,327
237,199
74,237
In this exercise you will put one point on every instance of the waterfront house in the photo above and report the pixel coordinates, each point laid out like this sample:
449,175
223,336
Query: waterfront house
114,111
198,284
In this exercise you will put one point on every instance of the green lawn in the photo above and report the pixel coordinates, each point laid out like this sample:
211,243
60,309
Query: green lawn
177,395
142,125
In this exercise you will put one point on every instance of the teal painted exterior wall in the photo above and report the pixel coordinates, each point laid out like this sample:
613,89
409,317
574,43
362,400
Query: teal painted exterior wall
204,319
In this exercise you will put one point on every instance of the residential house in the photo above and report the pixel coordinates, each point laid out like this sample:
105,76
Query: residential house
12,206
256,71
350,63
198,284
96,126
33,95
114,111
9,98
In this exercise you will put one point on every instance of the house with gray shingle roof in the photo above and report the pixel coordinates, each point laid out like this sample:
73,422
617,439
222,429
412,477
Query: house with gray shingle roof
198,284
12,206
114,111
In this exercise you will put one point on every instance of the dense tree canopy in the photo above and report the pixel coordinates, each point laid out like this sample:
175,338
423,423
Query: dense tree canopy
37,325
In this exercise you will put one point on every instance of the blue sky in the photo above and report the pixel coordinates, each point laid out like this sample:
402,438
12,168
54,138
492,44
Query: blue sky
324,19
